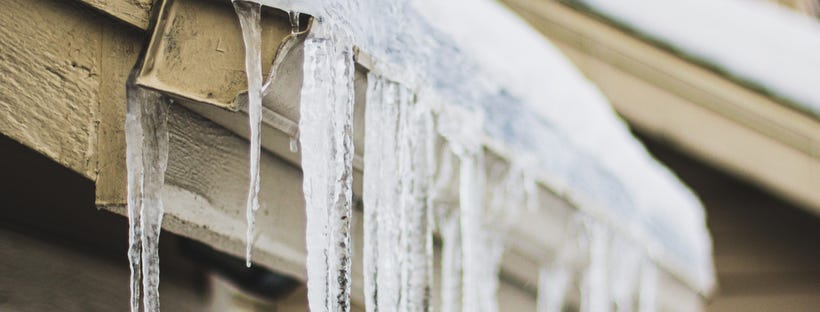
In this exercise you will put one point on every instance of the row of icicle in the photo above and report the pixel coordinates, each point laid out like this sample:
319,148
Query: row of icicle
402,204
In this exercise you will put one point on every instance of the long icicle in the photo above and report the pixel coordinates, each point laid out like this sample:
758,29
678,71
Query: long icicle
415,172
373,186
451,265
250,16
326,127
471,198
133,161
146,160
595,293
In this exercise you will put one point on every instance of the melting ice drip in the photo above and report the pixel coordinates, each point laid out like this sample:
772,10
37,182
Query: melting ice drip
398,247
326,127
146,135
250,16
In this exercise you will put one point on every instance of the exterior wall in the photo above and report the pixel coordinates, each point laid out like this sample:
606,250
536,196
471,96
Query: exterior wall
765,249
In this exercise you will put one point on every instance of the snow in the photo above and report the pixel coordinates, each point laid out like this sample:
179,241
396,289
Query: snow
757,41
146,135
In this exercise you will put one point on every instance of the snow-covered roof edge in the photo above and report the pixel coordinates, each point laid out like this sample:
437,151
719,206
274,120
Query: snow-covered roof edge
759,44
534,101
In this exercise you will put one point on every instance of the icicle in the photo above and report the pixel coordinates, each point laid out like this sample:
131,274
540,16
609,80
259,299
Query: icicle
134,164
595,293
146,160
326,127
250,15
294,22
398,234
553,282
293,145
416,233
471,198
451,266
624,271
648,287
448,221
381,196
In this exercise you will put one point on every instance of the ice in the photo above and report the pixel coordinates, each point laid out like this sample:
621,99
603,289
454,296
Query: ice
250,15
624,271
293,145
146,161
595,293
397,212
471,198
648,287
553,282
326,126
451,266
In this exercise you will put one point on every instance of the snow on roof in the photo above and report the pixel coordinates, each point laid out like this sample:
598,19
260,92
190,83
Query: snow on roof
477,55
759,42
568,124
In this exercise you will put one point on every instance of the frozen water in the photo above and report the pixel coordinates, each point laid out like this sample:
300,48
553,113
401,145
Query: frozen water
326,126
451,257
398,224
146,160
648,287
250,15
624,270
553,282
595,293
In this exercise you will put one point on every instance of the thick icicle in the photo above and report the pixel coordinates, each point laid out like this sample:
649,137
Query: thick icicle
398,229
415,170
146,160
133,160
326,126
451,266
249,14
553,282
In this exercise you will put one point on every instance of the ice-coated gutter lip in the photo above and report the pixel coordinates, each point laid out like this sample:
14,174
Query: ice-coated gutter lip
757,44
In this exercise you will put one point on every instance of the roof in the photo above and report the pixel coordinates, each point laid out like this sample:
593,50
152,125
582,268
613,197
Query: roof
758,43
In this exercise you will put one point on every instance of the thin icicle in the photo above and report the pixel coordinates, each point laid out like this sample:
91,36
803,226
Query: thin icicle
250,16
449,226
595,294
648,288
471,198
624,271
451,266
146,160
553,282
326,126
